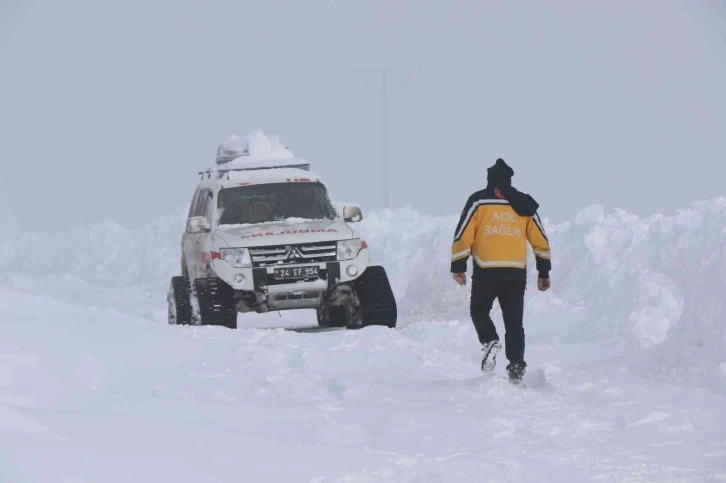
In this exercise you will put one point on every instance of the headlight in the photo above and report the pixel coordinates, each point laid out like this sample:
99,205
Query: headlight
237,257
349,249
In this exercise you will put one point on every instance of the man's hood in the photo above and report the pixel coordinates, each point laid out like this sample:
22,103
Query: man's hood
290,231
522,203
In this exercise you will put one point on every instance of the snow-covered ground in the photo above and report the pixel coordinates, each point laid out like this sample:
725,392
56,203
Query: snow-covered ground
626,354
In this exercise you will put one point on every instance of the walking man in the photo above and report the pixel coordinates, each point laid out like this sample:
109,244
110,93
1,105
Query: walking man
494,228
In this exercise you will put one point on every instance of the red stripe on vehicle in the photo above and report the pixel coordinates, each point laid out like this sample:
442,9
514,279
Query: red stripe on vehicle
215,256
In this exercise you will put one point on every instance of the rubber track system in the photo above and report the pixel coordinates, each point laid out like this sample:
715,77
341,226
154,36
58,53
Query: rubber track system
181,292
376,297
216,302
348,314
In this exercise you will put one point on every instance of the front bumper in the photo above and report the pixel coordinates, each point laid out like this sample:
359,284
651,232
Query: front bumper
261,279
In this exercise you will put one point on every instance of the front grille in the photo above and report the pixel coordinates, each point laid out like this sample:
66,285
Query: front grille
294,254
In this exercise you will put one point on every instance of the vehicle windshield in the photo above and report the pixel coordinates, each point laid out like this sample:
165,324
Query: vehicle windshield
274,202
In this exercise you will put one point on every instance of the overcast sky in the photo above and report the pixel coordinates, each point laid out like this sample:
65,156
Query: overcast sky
109,108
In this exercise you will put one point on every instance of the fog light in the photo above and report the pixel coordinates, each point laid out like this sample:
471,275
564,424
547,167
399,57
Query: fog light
352,270
239,278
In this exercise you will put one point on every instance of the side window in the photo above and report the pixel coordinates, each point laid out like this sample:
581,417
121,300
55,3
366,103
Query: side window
205,205
208,207
193,204
201,202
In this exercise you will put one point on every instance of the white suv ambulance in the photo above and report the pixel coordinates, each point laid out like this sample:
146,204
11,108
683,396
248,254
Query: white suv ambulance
262,235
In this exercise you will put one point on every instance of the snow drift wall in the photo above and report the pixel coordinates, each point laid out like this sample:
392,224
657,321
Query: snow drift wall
655,283
106,253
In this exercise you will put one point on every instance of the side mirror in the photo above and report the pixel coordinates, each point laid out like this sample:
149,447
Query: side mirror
352,213
197,224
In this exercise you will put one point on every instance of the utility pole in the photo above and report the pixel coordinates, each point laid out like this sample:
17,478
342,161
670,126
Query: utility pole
384,139
385,90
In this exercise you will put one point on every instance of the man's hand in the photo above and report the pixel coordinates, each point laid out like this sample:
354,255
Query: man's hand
543,284
460,278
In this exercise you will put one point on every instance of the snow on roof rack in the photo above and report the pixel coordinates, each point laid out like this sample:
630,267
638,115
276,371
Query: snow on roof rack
256,146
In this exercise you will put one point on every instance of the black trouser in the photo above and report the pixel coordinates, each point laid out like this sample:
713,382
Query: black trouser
510,294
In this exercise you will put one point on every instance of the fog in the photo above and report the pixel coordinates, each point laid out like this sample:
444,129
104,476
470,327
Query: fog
108,109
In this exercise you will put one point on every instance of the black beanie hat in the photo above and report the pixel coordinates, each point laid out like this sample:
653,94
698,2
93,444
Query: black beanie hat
500,171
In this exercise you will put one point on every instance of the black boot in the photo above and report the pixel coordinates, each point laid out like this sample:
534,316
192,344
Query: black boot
516,370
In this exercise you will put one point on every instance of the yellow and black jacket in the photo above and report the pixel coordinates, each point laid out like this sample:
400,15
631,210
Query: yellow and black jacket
494,229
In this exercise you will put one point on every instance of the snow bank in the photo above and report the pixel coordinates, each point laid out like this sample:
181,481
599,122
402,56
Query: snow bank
105,254
653,283
8,225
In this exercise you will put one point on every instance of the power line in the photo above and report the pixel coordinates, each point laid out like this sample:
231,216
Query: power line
385,90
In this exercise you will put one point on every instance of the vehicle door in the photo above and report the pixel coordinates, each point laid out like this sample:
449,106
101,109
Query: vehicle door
187,244
200,240
189,238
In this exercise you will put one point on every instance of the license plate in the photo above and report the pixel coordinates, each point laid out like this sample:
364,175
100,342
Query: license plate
292,273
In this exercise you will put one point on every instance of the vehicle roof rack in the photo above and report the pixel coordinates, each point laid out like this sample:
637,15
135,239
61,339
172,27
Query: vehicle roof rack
304,166
257,151
224,157
221,171
256,145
